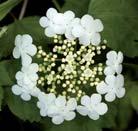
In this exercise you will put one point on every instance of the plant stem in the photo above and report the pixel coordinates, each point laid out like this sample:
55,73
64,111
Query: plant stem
57,5
23,9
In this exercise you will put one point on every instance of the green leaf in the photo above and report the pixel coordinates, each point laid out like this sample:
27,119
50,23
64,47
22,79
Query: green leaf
79,7
124,113
134,96
7,70
1,96
28,25
6,7
120,20
23,110
78,124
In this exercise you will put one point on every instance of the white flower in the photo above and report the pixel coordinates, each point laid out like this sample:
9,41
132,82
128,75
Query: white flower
70,27
44,103
56,23
28,75
62,110
25,92
69,58
114,63
24,48
92,106
87,72
69,69
112,87
88,57
88,30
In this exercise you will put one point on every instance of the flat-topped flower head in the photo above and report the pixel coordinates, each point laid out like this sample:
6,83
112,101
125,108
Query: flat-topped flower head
88,30
56,23
24,48
92,106
63,110
114,63
69,72
112,87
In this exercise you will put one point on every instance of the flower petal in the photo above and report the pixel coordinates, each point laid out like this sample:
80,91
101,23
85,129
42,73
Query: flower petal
77,30
82,110
112,56
17,90
71,104
110,79
70,116
118,68
84,40
95,39
93,115
59,29
26,39
87,22
19,75
60,101
110,97
57,120
34,67
95,98
26,96
44,22
101,88
101,108
109,70
51,97
120,80
16,53
26,60
31,49
68,16
120,92
51,12
98,25
120,57
50,32
43,112
85,100
18,40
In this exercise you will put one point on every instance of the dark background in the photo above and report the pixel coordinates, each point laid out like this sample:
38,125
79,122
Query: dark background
7,120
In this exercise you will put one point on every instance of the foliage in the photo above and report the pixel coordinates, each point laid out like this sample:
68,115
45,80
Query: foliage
120,18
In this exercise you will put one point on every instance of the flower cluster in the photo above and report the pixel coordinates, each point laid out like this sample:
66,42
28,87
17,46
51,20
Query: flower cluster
70,71
57,108
27,77
86,29
114,82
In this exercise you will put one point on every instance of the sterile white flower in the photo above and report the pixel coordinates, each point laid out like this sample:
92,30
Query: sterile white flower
62,110
88,30
56,23
24,48
28,75
114,63
92,106
44,103
112,87
70,27
25,92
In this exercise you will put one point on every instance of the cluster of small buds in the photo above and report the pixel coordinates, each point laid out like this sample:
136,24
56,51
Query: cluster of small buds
68,66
